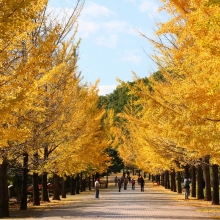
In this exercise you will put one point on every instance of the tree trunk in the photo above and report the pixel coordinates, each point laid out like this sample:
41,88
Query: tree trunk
72,186
200,182
63,187
215,184
81,182
106,185
172,181
179,182
193,184
4,198
36,199
84,184
168,180
44,193
23,205
158,178
165,180
162,179
93,181
56,192
89,182
208,193
77,184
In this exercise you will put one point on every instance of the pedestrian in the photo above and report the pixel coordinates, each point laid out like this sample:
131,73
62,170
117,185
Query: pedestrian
97,186
186,186
139,180
142,183
129,179
116,180
122,180
119,185
125,183
132,183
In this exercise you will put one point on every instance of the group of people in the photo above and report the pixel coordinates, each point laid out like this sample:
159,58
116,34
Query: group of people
123,181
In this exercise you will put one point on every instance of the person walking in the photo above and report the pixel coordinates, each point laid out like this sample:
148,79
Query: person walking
122,180
142,183
186,187
125,183
132,183
97,186
119,185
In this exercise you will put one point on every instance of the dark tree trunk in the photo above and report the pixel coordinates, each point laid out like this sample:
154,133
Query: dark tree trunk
193,180
89,182
208,193
162,179
106,184
81,183
72,186
23,205
179,182
158,178
77,184
45,196
168,180
200,182
149,176
44,193
172,181
4,198
215,184
56,191
165,180
84,185
64,187
36,199
93,181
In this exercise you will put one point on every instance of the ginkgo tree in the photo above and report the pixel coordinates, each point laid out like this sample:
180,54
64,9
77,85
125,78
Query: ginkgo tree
179,119
184,105
16,24
41,99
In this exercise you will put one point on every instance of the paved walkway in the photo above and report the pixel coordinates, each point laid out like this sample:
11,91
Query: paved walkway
154,203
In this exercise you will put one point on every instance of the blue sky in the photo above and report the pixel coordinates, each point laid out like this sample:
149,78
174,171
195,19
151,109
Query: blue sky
110,44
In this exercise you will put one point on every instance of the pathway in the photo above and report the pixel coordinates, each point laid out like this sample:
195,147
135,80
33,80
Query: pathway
152,204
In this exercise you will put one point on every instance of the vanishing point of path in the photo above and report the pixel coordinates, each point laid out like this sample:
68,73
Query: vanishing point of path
154,203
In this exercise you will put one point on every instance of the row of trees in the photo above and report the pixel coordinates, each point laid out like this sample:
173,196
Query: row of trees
172,119
50,121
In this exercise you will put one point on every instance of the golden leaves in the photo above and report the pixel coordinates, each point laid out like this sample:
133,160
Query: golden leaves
179,118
